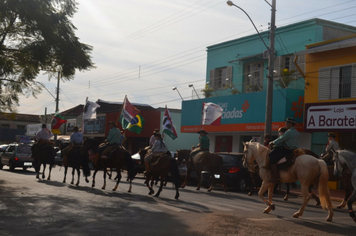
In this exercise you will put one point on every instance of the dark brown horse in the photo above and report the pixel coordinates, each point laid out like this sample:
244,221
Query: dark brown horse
75,157
204,160
160,168
43,153
120,158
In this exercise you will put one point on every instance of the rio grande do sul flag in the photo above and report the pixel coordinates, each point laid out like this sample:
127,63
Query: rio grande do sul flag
211,114
128,113
57,121
168,126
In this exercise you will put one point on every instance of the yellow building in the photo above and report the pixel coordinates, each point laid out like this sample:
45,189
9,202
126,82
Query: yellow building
330,92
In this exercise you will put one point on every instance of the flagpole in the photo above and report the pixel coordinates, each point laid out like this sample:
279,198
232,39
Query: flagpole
122,107
82,128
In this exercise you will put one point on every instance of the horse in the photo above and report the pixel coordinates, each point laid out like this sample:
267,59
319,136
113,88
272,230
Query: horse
43,155
119,158
76,158
161,167
307,169
204,160
345,160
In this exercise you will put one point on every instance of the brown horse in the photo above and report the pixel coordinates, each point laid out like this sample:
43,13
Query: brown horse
43,153
204,160
160,168
345,178
120,158
75,158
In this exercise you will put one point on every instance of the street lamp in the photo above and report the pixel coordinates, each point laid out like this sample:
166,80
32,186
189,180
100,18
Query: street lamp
269,96
175,88
194,90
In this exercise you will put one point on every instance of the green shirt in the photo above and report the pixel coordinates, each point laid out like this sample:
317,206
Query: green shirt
114,136
204,142
289,139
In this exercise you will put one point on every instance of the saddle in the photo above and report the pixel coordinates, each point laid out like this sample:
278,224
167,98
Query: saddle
289,159
110,150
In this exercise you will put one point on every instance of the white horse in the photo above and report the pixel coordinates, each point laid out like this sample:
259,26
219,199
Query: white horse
307,169
344,159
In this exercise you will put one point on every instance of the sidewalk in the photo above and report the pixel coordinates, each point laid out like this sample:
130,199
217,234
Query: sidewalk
335,195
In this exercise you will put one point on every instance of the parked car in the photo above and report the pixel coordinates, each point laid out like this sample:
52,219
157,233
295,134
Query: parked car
3,147
236,175
17,155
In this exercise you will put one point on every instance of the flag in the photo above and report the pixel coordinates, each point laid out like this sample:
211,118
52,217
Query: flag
136,124
211,114
168,127
57,121
128,113
90,110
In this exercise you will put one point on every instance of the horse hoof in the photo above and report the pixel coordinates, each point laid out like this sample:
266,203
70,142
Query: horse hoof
114,189
77,185
250,194
87,181
329,219
129,191
273,207
176,197
296,215
318,204
197,189
209,190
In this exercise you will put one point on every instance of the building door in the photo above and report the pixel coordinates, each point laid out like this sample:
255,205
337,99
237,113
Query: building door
223,144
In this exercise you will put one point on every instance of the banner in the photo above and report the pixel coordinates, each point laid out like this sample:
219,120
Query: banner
211,114
90,110
168,126
128,113
136,124
56,123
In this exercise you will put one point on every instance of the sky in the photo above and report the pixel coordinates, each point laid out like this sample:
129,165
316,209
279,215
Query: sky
143,49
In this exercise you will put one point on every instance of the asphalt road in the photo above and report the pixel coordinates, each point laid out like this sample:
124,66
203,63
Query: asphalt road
40,207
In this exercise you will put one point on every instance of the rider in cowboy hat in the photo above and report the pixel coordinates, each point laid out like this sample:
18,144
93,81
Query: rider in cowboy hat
159,147
331,146
283,145
204,143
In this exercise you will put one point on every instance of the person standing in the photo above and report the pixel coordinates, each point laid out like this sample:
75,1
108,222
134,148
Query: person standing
331,147
283,145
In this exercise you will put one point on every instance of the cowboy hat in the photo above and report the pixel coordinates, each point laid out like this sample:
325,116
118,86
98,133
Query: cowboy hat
291,120
202,131
156,131
331,135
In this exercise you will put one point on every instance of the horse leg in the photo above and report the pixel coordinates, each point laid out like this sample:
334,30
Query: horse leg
349,205
314,196
186,178
160,186
50,170
44,169
306,198
212,177
93,182
347,185
78,172
198,179
73,172
224,180
287,194
105,173
264,187
65,173
148,177
253,185
118,179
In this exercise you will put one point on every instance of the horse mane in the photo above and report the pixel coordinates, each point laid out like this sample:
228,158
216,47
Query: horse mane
262,150
348,155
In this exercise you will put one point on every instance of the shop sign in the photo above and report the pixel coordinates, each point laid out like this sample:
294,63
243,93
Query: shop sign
331,117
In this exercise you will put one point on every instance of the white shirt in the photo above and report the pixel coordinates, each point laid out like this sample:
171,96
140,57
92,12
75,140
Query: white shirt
332,145
44,134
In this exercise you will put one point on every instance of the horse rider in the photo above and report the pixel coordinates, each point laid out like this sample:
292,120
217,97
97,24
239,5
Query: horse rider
76,140
114,138
283,145
204,143
159,147
42,138
152,138
331,146
267,138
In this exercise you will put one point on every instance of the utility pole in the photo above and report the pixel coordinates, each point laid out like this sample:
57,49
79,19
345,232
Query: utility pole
57,101
271,56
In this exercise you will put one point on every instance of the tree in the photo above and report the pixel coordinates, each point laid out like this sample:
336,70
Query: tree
208,92
35,36
287,76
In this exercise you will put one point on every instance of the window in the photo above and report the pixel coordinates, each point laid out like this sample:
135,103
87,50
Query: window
220,78
5,126
337,82
254,77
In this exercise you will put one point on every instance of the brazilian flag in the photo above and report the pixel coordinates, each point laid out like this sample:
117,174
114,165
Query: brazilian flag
136,124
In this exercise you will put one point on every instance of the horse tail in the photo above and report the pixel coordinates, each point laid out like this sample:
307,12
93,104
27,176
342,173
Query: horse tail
175,172
85,164
323,189
129,165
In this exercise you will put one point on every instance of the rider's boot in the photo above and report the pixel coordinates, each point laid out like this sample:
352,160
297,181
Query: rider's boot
274,173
